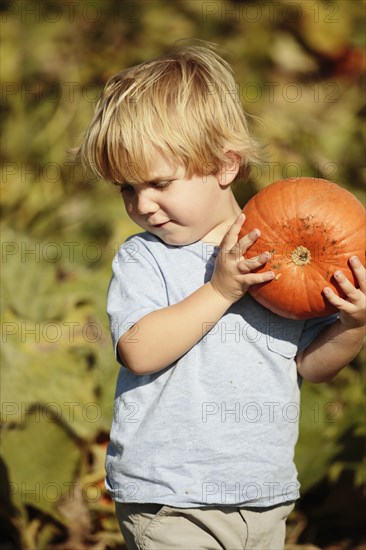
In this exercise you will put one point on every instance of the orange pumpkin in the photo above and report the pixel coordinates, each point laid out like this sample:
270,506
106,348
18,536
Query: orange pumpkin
312,227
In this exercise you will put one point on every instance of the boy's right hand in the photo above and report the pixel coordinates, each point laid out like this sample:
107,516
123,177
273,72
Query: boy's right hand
233,275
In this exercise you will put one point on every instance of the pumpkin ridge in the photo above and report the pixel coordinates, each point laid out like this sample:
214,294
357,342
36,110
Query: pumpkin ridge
264,226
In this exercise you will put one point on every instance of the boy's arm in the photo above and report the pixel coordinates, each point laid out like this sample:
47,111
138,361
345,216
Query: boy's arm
338,344
161,337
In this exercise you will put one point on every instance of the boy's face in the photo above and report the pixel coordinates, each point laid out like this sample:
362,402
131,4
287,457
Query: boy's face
181,210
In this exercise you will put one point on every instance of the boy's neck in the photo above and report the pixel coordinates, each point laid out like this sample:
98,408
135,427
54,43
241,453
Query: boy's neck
218,233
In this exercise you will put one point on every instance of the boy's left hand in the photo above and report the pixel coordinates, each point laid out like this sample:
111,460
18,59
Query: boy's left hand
352,310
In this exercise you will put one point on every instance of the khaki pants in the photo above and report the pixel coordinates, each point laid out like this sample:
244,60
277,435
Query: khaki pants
156,527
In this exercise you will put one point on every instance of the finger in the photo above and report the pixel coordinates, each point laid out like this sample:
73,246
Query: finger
247,241
257,278
249,264
335,300
231,237
359,271
352,293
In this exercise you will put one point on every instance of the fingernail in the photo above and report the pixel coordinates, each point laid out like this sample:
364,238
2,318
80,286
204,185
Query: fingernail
354,260
254,234
264,257
338,275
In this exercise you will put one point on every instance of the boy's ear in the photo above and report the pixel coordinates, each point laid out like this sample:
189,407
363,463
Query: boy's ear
230,169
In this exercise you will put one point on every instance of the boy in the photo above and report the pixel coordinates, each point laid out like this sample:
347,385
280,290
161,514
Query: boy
206,405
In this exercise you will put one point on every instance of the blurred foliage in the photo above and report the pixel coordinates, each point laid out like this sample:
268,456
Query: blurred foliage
300,69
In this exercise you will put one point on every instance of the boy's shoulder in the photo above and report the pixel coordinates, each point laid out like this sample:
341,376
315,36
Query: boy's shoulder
146,242
138,245
145,248
141,241
143,236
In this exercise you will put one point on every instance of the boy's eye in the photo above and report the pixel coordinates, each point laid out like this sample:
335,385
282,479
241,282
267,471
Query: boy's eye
160,184
126,188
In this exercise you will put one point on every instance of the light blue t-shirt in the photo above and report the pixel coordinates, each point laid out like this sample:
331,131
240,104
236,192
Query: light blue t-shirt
218,426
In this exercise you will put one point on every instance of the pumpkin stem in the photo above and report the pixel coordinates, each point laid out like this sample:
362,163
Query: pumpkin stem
301,255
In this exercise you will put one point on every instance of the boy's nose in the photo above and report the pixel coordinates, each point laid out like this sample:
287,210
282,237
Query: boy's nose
145,203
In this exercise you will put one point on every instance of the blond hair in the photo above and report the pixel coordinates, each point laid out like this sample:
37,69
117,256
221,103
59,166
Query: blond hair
184,105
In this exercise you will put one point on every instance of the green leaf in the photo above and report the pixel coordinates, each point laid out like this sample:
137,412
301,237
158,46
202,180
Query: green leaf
42,461
319,424
56,380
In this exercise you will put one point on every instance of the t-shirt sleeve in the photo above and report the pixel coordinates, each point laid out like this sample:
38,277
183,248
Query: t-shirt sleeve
136,288
312,329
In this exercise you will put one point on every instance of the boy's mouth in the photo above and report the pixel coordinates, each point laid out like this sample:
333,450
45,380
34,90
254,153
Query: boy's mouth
157,225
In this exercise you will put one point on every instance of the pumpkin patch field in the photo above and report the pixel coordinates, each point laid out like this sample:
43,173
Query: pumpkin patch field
299,69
